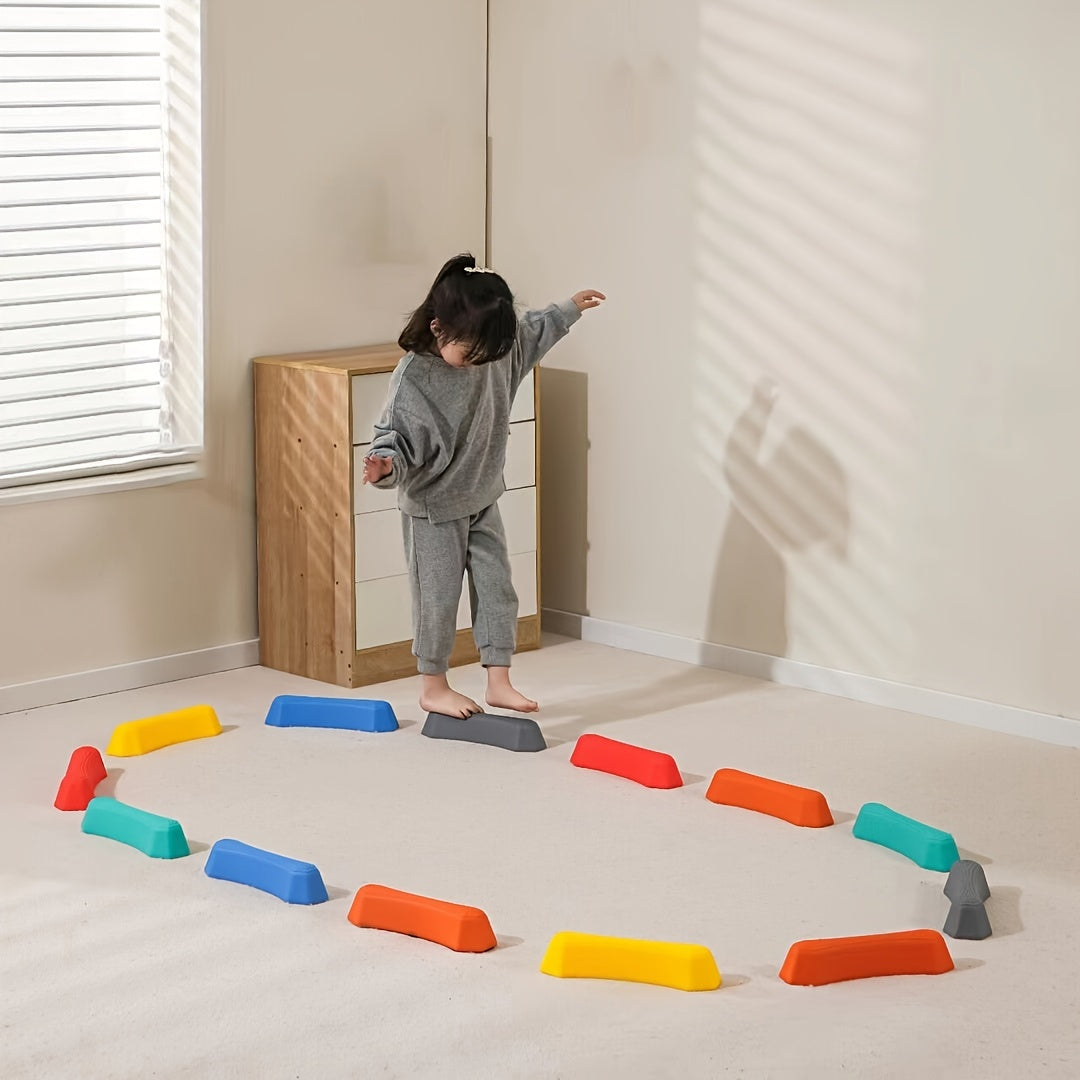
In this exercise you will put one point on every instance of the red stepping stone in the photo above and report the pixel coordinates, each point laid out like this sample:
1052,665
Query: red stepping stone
648,767
84,772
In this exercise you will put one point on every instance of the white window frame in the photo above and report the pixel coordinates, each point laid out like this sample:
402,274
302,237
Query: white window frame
184,285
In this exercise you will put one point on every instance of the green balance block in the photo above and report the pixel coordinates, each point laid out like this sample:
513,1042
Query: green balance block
931,848
158,837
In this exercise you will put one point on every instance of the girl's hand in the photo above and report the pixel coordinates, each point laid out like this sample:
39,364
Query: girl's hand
375,468
588,298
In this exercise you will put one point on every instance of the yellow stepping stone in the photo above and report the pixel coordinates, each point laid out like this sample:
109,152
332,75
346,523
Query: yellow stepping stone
142,736
590,956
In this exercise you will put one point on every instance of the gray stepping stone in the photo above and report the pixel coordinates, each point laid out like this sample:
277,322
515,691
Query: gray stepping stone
507,732
968,891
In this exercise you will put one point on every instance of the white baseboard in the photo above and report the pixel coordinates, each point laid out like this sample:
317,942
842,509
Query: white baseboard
936,703
112,680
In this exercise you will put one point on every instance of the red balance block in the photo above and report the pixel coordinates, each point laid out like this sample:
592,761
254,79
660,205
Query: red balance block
84,772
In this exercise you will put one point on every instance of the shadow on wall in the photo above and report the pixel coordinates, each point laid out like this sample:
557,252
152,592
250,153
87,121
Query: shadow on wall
564,497
788,501
810,181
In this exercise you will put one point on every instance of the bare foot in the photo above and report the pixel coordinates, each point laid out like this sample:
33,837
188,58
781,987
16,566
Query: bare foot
502,695
437,696
511,699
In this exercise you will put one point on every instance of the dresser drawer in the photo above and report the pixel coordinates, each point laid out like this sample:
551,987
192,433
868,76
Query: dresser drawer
520,468
380,548
368,400
384,611
384,606
518,511
524,407
368,499
523,573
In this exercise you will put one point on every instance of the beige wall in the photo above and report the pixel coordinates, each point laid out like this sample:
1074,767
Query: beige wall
344,159
828,410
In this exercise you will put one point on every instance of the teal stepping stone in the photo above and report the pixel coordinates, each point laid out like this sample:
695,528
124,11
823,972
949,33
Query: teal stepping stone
153,835
931,848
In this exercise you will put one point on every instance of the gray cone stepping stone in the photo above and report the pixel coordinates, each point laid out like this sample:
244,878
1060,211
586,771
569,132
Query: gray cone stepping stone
507,732
968,891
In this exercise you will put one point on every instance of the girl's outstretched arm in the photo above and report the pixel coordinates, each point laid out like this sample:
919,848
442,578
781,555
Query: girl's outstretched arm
539,330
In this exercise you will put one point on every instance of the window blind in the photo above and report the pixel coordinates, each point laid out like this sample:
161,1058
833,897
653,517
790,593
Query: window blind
88,286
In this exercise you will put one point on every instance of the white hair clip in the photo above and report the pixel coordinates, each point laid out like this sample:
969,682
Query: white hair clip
478,270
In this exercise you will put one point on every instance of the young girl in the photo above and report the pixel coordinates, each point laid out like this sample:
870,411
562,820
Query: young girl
442,442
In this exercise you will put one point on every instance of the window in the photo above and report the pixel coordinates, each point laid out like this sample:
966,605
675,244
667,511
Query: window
101,295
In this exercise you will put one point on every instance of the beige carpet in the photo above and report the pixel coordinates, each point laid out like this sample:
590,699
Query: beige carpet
116,965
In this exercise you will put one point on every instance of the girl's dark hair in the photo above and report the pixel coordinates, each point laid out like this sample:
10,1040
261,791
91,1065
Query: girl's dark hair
475,309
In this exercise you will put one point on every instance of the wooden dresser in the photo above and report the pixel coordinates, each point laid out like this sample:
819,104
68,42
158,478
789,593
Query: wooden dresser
334,601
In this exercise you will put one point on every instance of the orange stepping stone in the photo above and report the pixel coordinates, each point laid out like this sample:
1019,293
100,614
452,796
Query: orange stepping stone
461,928
829,960
84,772
799,805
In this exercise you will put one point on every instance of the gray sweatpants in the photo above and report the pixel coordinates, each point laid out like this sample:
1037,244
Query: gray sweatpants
438,556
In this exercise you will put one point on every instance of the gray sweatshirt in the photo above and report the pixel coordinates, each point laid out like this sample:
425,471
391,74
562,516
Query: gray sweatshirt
445,428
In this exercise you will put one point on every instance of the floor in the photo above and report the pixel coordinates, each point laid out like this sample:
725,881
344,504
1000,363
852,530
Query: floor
116,965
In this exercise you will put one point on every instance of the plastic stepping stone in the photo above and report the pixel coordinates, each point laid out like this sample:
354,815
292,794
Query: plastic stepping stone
158,837
141,736
350,714
648,767
931,848
829,960
84,772
799,805
516,733
461,928
967,889
290,880
590,956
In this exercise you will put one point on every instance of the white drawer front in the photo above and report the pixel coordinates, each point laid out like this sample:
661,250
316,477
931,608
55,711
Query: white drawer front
524,407
518,510
520,468
368,499
383,612
384,606
368,398
380,550
523,574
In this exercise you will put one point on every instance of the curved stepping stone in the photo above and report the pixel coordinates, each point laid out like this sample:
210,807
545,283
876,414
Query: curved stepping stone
648,767
290,880
350,714
152,733
84,772
799,805
829,960
931,848
461,928
662,963
507,732
967,889
158,837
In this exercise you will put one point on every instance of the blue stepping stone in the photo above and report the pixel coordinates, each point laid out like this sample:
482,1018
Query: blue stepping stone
931,848
290,880
507,732
351,714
